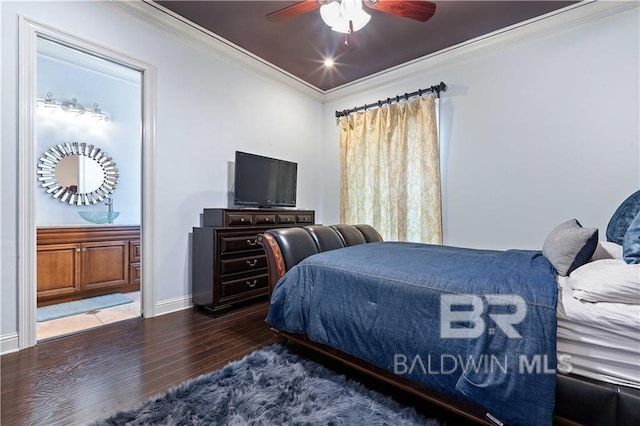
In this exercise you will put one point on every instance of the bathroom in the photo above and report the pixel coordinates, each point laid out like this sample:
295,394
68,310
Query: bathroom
87,118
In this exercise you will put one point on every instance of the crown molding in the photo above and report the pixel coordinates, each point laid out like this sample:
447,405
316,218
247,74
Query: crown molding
151,13
561,20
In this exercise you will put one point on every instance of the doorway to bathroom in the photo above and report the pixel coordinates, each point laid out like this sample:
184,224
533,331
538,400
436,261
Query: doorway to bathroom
88,151
87,112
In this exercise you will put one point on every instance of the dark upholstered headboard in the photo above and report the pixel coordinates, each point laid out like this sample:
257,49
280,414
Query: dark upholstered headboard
286,247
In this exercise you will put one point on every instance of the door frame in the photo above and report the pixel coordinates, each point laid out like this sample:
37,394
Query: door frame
29,31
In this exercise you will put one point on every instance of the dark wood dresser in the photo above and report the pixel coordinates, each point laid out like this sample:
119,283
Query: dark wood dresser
228,264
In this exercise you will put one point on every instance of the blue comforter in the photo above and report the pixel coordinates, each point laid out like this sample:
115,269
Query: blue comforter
476,324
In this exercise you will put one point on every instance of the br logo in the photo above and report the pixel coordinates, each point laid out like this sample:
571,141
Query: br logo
454,310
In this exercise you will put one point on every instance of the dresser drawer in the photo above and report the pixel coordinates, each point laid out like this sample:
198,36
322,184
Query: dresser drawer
242,264
246,242
265,219
304,218
286,218
239,219
231,288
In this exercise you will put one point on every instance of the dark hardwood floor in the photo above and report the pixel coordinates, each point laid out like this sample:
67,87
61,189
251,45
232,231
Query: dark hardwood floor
81,378
87,376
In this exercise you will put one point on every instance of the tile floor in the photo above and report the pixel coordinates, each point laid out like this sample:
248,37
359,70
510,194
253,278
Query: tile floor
87,320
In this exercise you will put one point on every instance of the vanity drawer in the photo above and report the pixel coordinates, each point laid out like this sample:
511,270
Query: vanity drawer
134,273
134,251
236,243
286,218
239,219
265,219
231,288
242,264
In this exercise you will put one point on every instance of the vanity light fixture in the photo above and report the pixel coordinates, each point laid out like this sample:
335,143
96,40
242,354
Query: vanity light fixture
48,104
97,113
73,107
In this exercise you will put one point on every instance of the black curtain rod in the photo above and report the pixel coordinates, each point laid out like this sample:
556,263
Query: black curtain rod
435,89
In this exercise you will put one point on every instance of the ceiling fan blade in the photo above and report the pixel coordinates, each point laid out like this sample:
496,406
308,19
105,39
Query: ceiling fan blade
293,10
418,10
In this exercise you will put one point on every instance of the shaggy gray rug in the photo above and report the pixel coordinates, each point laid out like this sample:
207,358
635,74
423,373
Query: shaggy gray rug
271,386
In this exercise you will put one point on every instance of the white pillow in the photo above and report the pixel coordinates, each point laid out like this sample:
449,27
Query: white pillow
606,280
607,250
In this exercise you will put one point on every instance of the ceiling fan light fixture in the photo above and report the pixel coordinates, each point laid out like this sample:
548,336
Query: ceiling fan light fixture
344,16
330,13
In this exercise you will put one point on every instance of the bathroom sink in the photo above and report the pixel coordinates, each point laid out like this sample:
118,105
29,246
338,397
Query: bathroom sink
99,217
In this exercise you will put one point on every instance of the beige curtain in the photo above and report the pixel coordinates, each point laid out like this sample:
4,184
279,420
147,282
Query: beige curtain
391,171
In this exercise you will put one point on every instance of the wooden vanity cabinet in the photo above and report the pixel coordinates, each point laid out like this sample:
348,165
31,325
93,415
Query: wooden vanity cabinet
79,262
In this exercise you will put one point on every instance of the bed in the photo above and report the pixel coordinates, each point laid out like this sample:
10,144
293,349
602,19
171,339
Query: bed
502,339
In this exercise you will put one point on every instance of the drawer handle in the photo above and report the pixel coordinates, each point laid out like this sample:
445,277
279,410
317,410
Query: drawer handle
78,250
252,263
84,249
242,219
252,242
252,284
266,219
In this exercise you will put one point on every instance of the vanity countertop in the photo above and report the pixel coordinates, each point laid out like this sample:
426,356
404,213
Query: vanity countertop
86,225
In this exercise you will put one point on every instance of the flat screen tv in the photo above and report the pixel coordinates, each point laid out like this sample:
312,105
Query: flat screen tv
264,182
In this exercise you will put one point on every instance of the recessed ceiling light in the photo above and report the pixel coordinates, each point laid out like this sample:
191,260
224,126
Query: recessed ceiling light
328,62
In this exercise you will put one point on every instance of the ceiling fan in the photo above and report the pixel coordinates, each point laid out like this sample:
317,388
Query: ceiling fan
348,16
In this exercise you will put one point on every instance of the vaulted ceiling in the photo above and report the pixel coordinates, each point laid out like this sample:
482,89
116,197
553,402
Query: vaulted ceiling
299,45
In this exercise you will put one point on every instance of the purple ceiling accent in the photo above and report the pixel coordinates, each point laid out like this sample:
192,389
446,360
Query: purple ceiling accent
299,45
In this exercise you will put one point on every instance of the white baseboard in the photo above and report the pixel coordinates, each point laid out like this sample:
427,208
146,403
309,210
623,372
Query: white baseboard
173,305
9,343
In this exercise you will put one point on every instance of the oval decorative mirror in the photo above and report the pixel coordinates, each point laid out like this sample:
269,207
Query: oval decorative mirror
77,173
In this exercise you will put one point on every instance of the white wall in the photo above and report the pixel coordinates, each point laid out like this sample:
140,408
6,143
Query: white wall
208,106
534,131
117,90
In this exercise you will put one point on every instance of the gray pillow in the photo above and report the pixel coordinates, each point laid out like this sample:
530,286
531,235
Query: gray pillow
570,246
